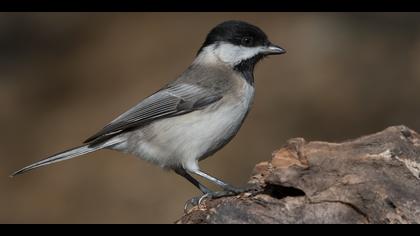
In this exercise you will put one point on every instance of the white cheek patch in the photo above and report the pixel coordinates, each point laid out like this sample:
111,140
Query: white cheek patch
233,54
228,53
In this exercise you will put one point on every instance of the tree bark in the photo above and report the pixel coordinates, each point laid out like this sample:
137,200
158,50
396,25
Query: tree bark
372,179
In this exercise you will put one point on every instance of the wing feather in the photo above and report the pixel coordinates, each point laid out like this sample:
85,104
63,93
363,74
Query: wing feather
170,101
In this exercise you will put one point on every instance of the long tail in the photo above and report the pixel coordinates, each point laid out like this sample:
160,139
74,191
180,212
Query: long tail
68,154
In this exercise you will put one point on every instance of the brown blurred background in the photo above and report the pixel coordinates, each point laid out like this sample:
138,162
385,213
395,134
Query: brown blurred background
63,76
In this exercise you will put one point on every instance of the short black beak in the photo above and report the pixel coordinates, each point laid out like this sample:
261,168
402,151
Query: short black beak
272,49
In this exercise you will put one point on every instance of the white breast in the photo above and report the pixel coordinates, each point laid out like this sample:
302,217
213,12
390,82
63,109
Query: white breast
183,140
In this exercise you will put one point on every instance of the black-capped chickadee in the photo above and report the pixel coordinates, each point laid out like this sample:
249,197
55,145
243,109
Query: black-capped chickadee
193,116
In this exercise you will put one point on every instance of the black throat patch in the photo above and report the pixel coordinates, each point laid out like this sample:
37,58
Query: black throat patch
246,68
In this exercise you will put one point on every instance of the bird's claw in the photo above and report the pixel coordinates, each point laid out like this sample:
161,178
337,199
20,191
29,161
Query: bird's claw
199,201
203,198
231,191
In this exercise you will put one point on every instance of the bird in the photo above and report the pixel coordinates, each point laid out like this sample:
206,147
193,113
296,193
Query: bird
193,116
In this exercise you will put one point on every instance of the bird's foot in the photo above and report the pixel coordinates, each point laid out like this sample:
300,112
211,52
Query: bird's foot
229,191
198,201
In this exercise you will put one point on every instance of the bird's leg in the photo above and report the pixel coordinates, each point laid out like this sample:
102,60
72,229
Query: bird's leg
228,190
181,171
195,200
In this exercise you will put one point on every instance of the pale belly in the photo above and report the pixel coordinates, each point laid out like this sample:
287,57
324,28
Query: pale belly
182,141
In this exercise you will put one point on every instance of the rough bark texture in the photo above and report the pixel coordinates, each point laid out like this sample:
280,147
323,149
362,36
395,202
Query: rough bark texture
372,179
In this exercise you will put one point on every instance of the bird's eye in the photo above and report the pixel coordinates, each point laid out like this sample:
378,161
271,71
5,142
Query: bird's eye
247,41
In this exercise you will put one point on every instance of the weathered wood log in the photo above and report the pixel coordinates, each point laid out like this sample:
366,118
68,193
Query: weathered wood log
372,179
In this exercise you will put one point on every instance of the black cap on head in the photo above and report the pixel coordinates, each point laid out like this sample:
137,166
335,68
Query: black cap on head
237,33
252,41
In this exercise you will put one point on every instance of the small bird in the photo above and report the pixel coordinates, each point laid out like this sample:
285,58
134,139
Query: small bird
192,117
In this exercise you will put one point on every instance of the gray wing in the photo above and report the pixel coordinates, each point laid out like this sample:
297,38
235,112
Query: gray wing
170,101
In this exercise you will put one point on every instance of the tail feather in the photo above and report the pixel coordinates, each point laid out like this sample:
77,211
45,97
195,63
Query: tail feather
65,155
